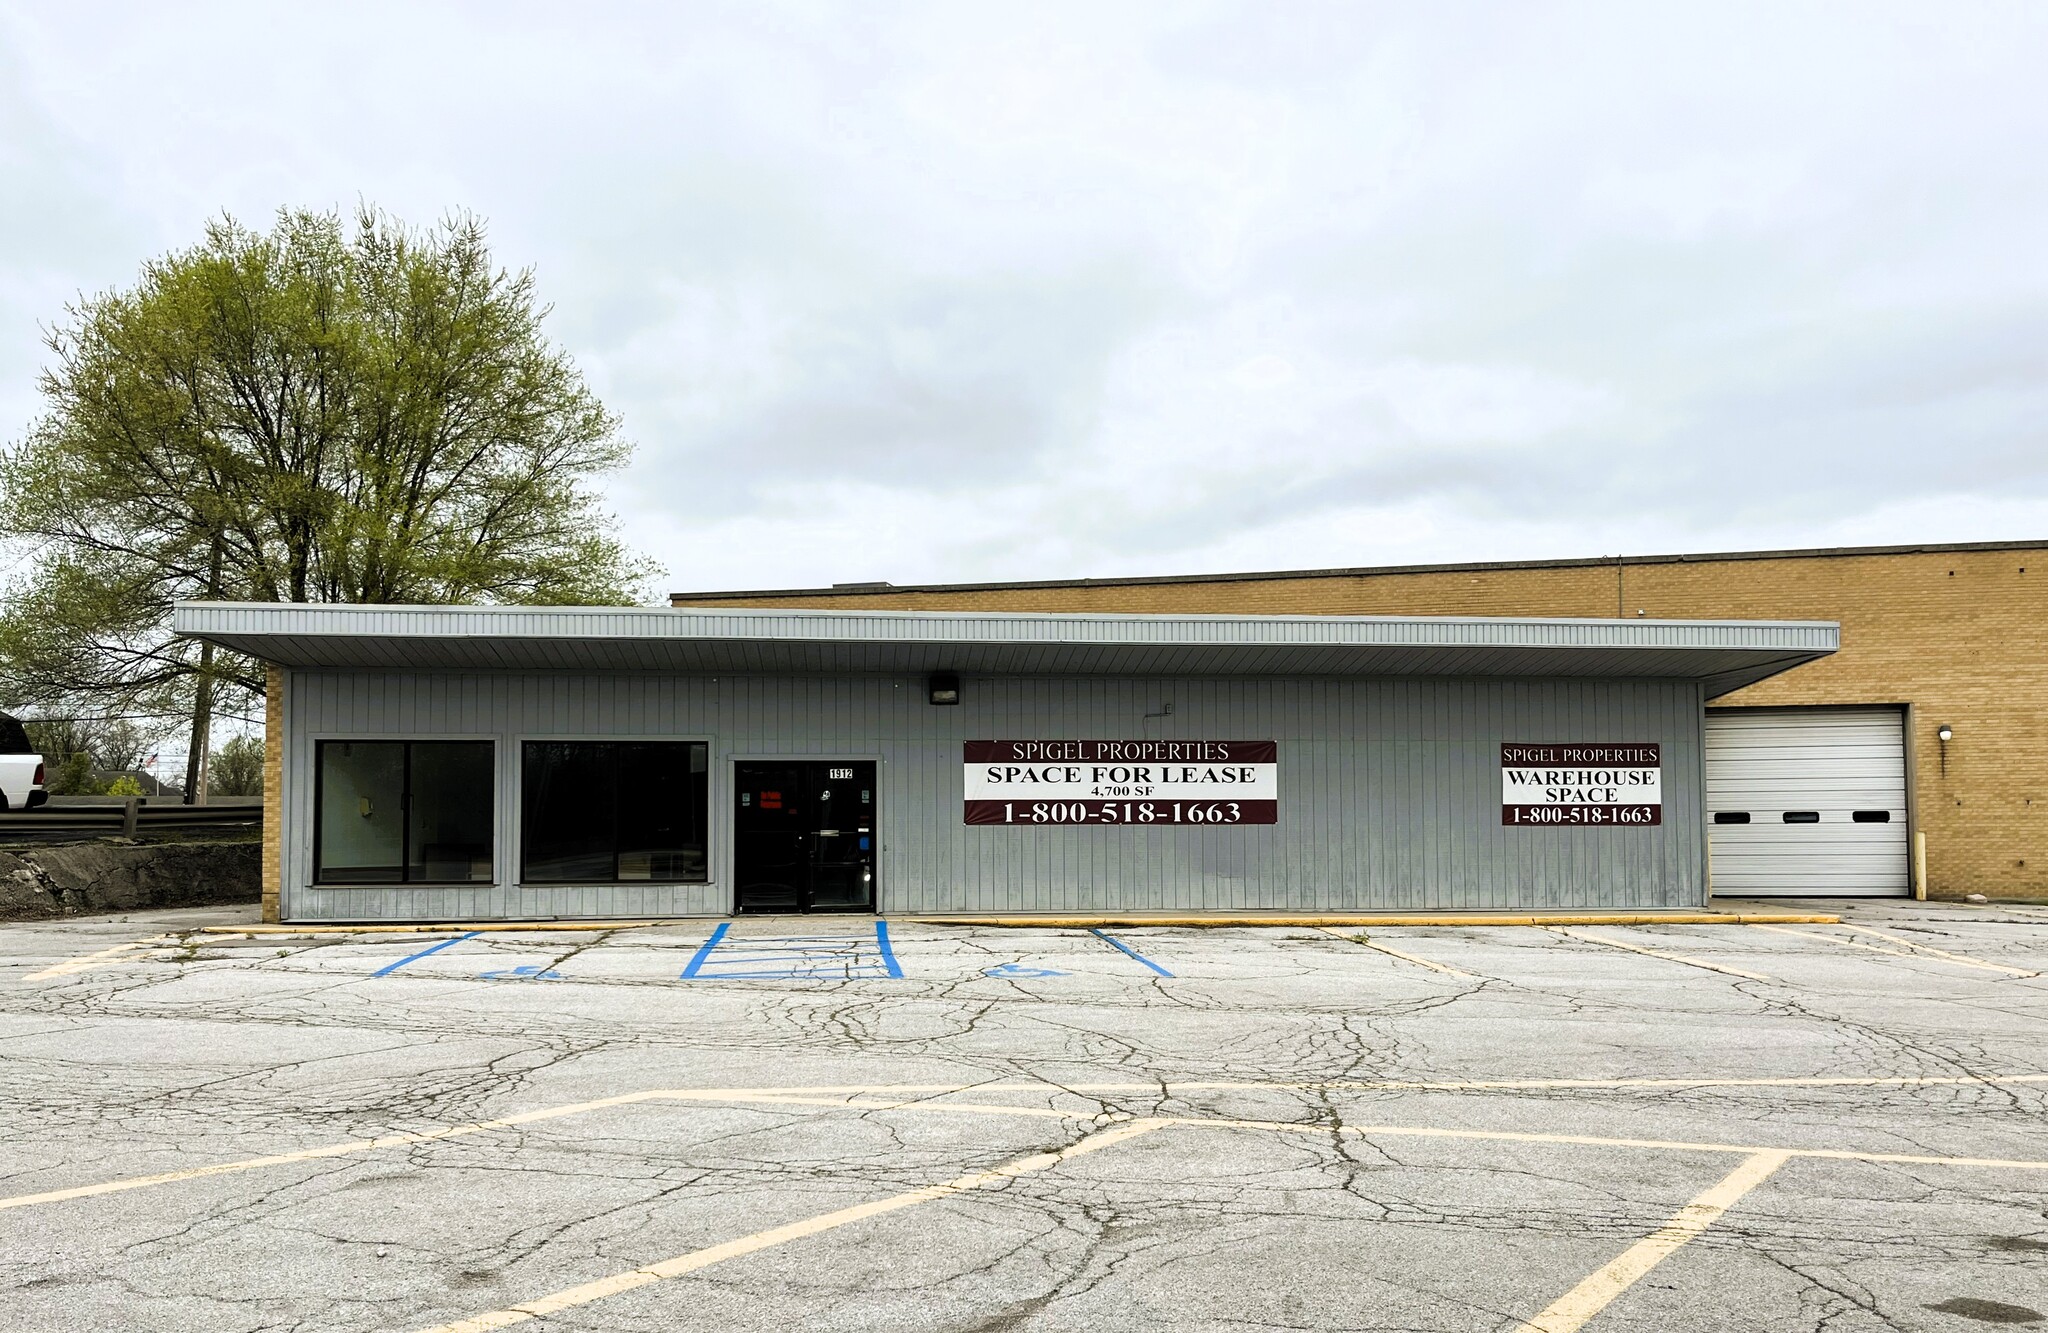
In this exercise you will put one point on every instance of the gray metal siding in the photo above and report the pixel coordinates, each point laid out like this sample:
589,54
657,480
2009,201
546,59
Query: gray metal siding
1390,789
571,625
1724,654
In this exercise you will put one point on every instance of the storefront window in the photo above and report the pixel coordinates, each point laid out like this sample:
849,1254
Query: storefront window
411,812
608,812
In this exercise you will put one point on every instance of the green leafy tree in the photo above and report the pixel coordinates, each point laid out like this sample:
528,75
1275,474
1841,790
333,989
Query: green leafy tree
237,770
323,412
113,742
74,747
71,775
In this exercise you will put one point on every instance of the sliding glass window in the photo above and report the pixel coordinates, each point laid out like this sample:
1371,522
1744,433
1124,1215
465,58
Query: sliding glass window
402,812
612,812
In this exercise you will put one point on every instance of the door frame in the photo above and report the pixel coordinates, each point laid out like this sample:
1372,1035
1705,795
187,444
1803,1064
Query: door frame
732,816
1911,776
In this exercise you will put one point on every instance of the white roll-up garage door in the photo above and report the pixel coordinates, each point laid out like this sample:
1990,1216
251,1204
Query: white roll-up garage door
1807,801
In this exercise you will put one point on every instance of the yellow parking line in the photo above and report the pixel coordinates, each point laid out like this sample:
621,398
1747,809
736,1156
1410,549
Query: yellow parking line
1570,1311
912,1095
782,1235
1533,1084
436,928
1409,1085
1659,953
91,960
1413,1132
2007,907
1597,1141
1259,920
1396,953
1910,951
314,1154
862,1103
1372,1085
1564,1084
1915,945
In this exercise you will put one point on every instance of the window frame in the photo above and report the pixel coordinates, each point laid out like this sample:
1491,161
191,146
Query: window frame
713,793
317,880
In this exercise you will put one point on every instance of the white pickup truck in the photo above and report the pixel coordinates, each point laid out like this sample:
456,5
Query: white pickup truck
21,768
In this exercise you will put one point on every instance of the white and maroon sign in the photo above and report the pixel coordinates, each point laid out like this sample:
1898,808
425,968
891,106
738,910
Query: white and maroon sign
1578,784
1122,782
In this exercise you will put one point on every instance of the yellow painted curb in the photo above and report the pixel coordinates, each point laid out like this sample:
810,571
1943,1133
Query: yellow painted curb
1087,922
1397,919
443,926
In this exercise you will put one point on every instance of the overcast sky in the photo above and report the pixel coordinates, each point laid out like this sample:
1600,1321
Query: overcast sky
968,291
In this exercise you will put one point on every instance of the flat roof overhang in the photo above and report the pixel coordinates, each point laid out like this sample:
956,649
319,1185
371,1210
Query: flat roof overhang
1723,655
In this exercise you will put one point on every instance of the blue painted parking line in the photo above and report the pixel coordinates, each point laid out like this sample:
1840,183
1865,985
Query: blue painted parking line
888,954
704,952
1115,943
812,975
1011,971
414,957
801,956
794,958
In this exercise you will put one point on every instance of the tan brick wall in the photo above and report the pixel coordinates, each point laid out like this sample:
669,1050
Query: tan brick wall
273,792
1960,636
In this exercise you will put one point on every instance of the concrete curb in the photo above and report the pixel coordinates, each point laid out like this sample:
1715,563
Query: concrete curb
431,927
1107,919
1398,919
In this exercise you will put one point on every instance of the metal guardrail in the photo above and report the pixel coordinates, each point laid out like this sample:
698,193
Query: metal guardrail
129,817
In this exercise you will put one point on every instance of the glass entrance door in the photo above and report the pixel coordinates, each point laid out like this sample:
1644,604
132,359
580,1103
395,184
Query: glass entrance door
804,836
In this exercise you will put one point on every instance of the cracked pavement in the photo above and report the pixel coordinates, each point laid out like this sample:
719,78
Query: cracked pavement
1408,1149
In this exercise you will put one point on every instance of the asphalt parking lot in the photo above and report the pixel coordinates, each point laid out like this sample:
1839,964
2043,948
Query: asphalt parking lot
838,1123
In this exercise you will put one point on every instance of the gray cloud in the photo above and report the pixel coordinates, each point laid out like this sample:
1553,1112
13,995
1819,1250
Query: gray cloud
932,291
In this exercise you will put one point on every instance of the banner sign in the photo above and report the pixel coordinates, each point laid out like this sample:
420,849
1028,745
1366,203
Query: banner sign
1580,784
1122,782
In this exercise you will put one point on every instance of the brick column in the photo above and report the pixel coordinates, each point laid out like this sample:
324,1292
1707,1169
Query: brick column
273,792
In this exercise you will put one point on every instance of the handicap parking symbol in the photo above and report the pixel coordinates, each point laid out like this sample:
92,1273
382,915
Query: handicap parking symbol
535,973
1020,970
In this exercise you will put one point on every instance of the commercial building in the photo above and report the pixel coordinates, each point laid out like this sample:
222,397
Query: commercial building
468,763
1932,719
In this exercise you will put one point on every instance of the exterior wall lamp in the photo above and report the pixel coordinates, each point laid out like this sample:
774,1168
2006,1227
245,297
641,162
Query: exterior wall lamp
943,688
1944,733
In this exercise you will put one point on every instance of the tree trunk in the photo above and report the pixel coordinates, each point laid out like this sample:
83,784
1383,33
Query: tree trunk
202,729
202,699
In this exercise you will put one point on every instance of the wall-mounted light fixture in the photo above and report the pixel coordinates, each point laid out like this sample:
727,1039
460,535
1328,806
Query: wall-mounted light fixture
1944,733
943,688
